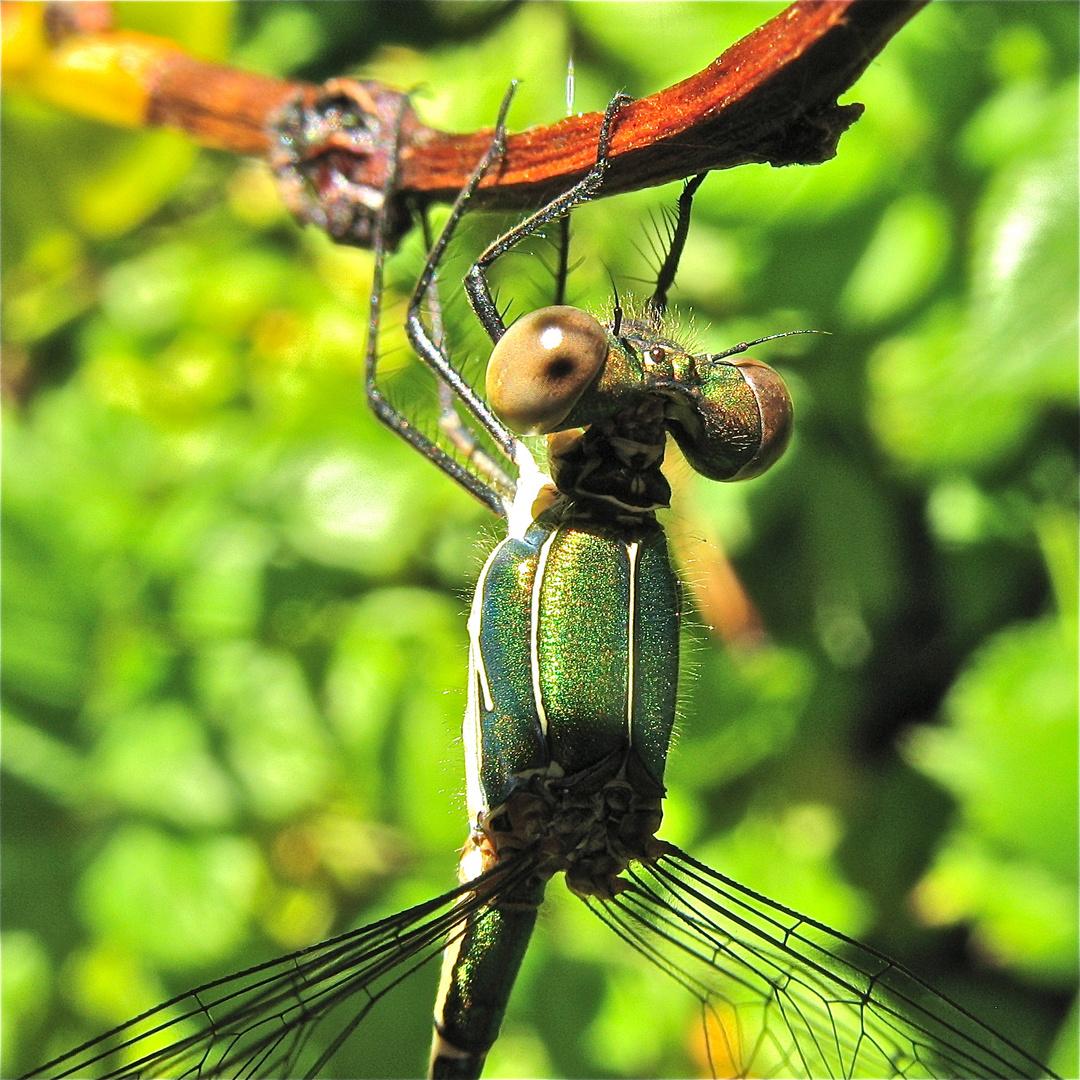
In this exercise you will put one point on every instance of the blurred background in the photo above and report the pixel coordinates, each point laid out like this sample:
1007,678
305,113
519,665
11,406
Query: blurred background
234,606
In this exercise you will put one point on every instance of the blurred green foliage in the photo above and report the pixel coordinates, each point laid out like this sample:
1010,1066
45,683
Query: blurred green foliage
234,606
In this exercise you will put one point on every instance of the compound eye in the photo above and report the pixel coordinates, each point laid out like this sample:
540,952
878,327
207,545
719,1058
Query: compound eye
542,365
739,422
774,408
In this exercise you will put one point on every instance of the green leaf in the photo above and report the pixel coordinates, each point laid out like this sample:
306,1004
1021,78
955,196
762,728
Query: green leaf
179,902
1011,718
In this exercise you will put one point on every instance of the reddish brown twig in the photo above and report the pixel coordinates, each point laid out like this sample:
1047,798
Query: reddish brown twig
770,97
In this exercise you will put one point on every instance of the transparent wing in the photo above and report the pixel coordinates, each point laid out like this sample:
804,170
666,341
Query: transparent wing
285,1018
784,996
781,995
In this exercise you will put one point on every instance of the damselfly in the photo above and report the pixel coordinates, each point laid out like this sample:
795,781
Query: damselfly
573,670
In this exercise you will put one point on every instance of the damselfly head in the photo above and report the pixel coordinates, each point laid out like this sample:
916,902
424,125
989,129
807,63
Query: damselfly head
560,368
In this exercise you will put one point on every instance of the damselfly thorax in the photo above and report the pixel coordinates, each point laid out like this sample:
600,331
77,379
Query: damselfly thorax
574,631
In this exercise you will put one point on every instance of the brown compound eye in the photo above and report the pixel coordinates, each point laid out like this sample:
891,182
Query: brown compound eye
737,423
542,365
774,407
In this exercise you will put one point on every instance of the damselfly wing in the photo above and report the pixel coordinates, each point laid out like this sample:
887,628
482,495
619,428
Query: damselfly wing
780,995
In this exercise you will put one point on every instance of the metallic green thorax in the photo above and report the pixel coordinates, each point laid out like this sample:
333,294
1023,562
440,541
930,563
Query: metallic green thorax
574,660
575,633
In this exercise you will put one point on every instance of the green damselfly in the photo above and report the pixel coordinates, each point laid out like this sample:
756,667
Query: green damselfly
586,566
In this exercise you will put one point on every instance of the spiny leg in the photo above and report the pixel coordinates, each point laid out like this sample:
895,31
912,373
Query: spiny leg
562,269
421,337
476,284
665,278
457,432
386,413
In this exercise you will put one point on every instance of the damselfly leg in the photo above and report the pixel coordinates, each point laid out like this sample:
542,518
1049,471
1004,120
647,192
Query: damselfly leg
430,348
472,467
476,284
